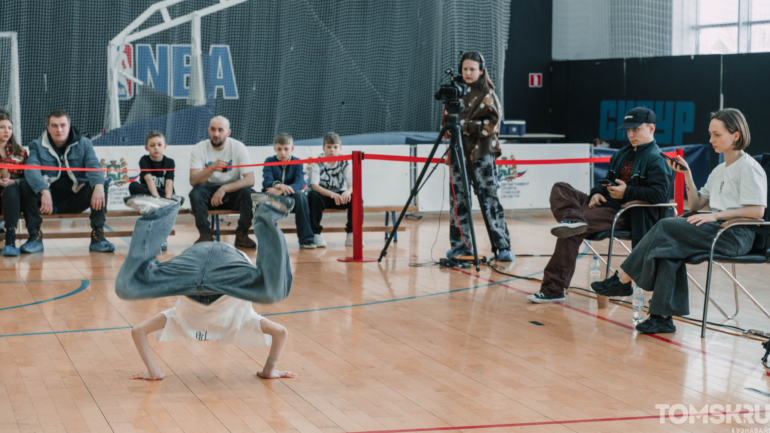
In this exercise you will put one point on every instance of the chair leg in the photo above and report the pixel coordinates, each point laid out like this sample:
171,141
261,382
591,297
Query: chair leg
609,259
393,217
706,304
713,302
596,253
387,217
737,284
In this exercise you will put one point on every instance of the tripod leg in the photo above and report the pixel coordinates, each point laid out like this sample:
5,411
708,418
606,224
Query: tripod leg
414,192
458,157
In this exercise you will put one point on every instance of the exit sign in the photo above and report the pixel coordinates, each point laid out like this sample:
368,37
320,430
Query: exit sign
535,79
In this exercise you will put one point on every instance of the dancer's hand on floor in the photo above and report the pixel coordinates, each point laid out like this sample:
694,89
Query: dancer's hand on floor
147,376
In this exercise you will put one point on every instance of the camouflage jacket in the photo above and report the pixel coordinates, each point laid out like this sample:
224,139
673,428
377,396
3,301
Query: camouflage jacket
480,120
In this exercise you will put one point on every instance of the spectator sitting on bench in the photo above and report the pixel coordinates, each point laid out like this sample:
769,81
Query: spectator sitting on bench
289,180
331,185
12,153
56,191
217,188
155,183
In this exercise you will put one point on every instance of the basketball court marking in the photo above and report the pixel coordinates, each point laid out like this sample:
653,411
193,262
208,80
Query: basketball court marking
83,285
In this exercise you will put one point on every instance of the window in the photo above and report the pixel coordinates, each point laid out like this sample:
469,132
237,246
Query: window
732,26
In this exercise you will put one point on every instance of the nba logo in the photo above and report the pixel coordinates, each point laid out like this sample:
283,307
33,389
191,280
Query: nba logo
125,64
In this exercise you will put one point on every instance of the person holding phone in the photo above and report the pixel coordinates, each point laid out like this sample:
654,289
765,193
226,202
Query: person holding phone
636,172
736,188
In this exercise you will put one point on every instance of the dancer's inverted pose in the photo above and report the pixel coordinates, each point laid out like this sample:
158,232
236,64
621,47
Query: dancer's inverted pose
216,283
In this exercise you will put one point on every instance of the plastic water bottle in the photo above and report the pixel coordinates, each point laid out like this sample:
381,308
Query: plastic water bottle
638,303
596,270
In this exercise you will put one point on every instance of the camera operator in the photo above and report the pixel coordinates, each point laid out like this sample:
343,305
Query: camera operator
480,121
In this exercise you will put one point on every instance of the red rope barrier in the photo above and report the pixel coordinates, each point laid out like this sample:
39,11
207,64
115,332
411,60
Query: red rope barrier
264,164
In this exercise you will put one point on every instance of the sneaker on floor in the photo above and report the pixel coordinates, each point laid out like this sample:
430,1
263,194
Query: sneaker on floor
34,244
164,247
505,256
244,241
147,204
281,203
307,246
612,286
205,237
566,229
349,240
10,250
656,324
319,241
99,244
542,298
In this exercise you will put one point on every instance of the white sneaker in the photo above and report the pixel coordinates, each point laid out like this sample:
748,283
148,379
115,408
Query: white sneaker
567,229
349,241
147,204
319,241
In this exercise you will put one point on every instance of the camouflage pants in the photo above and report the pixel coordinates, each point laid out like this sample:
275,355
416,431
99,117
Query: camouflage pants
484,175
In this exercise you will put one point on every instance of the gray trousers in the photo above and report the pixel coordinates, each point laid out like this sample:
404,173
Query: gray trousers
657,263
484,173
206,267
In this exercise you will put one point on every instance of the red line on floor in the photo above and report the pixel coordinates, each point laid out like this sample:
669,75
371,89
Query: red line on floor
574,421
657,337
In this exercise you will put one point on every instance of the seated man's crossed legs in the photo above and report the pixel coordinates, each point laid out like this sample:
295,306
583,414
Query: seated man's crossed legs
578,220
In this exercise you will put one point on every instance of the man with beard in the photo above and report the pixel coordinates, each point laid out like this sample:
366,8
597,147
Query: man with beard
215,187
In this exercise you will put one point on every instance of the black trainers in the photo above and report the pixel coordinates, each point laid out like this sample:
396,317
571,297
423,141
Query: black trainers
612,286
656,324
99,243
205,236
542,298
567,229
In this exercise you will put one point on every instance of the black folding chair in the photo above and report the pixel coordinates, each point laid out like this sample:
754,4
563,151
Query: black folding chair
621,235
759,254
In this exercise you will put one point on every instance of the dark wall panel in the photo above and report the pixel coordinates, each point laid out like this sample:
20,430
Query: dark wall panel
681,90
745,88
529,50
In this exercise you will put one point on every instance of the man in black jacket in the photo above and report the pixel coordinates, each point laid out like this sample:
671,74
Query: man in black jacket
639,173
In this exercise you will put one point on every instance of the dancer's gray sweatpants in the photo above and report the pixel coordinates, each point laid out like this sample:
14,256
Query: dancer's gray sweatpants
205,267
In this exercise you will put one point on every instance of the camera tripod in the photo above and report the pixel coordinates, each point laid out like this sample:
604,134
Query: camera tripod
455,150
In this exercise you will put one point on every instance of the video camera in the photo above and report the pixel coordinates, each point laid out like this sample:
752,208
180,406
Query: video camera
450,93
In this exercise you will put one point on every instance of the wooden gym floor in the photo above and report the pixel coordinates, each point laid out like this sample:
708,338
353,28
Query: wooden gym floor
388,347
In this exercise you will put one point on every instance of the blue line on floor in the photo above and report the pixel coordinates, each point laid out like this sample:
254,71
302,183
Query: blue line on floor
83,285
65,332
288,312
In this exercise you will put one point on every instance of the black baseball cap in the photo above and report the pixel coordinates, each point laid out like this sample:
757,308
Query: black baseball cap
636,116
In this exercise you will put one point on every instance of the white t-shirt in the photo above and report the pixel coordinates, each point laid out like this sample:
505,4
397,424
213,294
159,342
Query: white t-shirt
235,153
337,177
227,320
743,183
